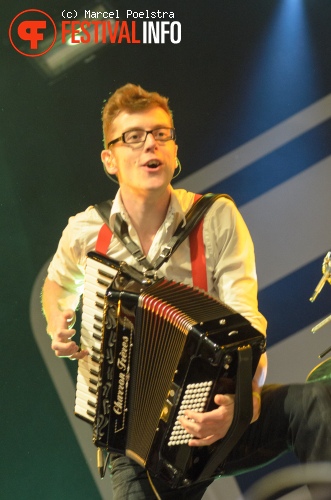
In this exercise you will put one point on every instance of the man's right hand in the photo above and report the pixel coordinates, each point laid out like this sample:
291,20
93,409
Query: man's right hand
62,334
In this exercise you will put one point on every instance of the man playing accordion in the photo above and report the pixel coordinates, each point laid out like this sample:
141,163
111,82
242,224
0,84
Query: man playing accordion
141,154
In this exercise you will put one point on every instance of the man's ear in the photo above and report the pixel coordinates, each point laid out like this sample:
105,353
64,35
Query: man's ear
109,162
176,150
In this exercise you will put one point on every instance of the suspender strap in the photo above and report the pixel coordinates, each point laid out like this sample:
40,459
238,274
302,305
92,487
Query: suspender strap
122,232
193,216
104,239
105,234
198,255
192,228
197,247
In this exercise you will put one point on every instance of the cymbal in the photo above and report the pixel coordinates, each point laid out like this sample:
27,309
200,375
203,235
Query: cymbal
321,372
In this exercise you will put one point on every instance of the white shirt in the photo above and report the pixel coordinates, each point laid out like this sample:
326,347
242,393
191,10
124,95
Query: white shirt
231,273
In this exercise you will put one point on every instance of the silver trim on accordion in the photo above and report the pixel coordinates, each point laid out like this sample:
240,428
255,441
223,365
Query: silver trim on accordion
156,348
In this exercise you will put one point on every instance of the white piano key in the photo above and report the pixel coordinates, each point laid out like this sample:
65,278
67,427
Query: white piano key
93,305
91,323
97,283
96,265
87,364
92,294
89,341
82,411
88,382
84,393
91,310
86,372
82,402
90,315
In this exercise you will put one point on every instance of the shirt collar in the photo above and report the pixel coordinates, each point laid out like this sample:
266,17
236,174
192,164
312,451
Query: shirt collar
174,211
176,207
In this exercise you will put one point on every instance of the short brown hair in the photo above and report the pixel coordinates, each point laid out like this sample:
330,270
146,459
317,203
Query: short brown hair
132,99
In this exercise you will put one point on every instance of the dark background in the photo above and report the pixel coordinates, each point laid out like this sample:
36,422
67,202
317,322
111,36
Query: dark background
228,80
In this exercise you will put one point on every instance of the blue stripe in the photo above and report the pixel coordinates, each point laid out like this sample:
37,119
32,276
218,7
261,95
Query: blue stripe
286,303
277,167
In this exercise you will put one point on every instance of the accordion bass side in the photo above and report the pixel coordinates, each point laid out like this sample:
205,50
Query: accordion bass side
162,347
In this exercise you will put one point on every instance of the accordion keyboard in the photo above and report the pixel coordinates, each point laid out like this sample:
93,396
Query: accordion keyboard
98,276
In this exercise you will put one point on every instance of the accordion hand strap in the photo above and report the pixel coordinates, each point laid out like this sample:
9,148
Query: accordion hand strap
243,411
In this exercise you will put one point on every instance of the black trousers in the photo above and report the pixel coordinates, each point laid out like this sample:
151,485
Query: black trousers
293,417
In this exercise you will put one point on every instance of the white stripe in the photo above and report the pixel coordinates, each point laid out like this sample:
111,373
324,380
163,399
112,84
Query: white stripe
292,359
258,147
290,225
65,387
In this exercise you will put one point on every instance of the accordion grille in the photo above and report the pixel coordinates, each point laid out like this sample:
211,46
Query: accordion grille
165,315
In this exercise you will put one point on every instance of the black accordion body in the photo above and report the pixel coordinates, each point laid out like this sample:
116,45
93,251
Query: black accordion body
157,348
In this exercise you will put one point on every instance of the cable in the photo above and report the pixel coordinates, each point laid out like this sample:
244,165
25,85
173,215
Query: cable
153,487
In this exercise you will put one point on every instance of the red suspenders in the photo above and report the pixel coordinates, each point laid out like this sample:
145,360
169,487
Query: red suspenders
197,250
198,257
104,238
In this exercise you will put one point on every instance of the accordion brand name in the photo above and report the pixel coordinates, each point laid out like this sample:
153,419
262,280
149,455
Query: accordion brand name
122,364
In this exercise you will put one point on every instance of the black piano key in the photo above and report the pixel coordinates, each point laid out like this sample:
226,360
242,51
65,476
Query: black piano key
106,275
103,282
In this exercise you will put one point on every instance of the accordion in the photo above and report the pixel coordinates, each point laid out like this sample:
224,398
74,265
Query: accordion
158,347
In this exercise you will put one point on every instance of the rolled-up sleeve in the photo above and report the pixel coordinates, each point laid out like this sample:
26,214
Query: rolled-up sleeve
68,263
231,262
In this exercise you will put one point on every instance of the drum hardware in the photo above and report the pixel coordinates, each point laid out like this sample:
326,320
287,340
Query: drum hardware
322,371
326,271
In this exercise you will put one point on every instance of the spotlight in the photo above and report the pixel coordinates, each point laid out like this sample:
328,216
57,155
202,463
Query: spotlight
68,49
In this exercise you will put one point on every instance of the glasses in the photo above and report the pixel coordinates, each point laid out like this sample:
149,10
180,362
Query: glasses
139,136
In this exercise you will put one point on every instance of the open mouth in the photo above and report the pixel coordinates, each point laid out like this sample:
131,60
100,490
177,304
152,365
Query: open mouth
152,164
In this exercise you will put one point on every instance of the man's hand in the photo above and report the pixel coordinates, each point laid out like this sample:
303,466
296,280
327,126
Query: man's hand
213,425
61,336
210,426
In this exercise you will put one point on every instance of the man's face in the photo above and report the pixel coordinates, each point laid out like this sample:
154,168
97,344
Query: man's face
142,167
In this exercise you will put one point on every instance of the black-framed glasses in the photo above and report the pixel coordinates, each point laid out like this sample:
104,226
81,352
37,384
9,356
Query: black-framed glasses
138,136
